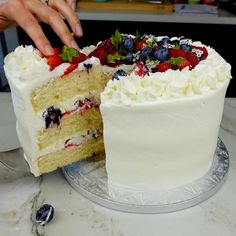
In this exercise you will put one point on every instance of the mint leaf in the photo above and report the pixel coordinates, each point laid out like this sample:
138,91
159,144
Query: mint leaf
116,39
115,57
176,61
138,36
68,53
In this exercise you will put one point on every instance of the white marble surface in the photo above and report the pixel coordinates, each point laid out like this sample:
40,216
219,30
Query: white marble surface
21,194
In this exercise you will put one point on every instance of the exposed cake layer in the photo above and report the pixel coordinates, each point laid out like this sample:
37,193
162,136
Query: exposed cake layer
65,156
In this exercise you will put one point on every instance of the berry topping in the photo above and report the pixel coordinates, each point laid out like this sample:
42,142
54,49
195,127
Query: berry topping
140,69
127,44
100,53
200,51
71,68
163,66
44,214
119,73
177,53
179,63
146,52
108,46
193,59
186,47
161,54
129,58
52,116
54,61
165,41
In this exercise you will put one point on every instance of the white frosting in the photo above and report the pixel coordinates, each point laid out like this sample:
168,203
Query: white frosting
160,131
161,145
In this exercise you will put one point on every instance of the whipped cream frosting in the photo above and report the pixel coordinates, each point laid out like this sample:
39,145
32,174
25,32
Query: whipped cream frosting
207,76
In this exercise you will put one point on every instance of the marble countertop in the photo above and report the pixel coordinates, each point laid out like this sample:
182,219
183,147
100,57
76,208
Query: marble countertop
21,194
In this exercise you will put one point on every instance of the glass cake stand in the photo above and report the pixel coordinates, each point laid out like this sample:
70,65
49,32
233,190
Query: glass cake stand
89,178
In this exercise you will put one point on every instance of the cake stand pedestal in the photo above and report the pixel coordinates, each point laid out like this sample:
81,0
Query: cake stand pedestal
89,178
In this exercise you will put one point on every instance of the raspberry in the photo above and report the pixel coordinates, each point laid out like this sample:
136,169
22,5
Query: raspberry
140,69
200,51
193,59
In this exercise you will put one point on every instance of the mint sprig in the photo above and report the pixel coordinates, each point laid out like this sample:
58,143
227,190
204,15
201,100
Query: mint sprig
68,53
116,39
138,36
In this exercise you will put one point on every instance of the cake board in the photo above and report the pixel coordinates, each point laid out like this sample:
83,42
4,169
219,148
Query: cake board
89,178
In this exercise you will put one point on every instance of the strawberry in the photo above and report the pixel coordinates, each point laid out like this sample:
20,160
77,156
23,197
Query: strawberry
77,59
162,67
108,46
177,53
184,64
100,53
70,68
56,51
140,69
193,59
54,61
139,45
201,52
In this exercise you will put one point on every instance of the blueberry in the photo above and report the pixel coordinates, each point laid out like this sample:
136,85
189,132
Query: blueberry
186,47
119,73
128,44
145,53
129,58
165,40
44,214
160,54
52,116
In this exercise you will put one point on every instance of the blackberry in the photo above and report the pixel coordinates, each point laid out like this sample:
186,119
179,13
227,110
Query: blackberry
52,116
119,73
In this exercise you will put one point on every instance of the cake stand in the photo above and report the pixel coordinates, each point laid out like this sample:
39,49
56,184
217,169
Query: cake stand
89,178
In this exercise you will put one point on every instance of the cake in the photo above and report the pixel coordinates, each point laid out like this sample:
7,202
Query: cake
155,102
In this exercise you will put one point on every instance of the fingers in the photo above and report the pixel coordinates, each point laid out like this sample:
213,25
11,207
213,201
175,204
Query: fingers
54,19
65,9
72,4
31,27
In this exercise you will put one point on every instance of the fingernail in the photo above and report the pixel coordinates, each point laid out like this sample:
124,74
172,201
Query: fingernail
78,30
73,6
48,50
74,45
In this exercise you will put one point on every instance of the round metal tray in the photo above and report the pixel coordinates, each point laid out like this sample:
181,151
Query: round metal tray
89,178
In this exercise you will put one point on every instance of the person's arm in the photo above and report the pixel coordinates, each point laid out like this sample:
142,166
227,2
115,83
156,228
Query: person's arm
27,14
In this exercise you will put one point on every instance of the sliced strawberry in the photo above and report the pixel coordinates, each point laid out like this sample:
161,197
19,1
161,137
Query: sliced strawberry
193,59
81,57
70,68
100,53
177,53
140,69
108,46
162,67
54,61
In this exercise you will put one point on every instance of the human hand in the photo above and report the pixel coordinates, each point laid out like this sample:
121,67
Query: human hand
27,14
